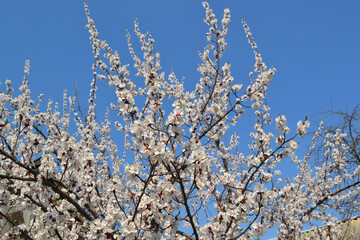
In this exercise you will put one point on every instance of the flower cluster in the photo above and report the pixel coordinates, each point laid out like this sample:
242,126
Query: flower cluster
180,171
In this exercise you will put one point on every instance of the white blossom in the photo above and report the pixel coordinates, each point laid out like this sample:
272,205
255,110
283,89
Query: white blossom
172,165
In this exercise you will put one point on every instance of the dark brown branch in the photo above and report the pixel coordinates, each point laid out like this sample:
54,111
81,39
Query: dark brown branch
185,235
43,208
62,194
143,191
14,160
58,234
186,205
18,178
326,198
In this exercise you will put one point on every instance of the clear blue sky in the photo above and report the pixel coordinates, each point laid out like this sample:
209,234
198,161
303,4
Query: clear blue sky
313,44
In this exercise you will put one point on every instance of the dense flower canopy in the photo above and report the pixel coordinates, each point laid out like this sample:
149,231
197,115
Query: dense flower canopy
175,176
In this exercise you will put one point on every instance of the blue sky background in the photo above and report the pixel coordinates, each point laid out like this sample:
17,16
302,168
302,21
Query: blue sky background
313,44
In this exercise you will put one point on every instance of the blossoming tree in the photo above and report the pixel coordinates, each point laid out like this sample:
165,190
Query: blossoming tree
346,123
175,177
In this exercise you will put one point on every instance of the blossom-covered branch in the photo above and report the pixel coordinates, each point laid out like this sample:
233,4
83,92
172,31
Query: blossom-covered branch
173,175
